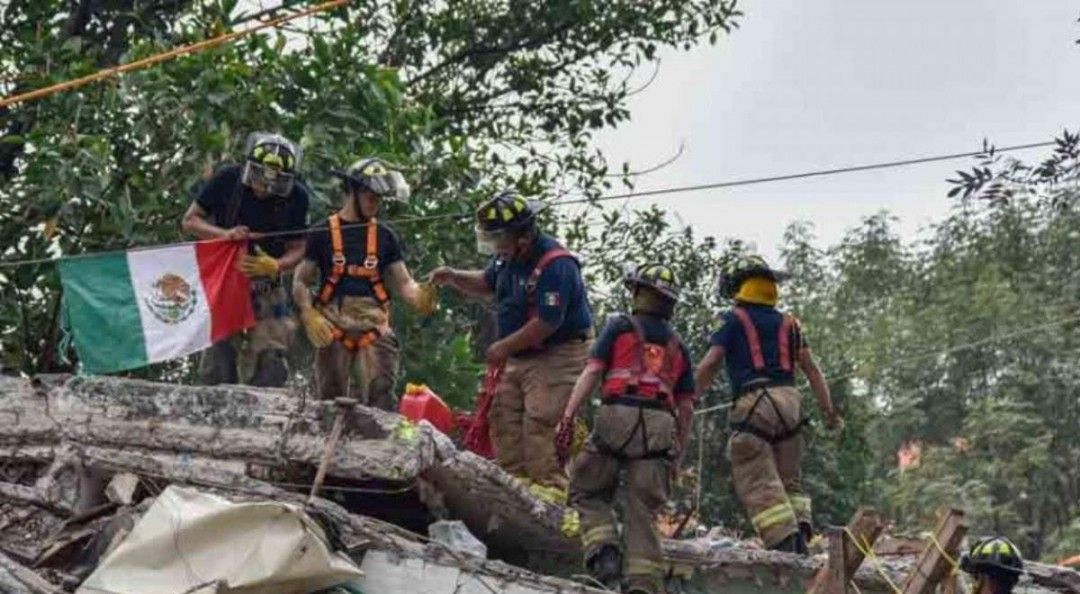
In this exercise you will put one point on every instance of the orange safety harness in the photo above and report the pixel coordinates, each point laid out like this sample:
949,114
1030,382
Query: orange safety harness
786,355
341,267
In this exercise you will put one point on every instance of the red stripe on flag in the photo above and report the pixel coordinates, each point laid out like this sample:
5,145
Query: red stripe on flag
227,289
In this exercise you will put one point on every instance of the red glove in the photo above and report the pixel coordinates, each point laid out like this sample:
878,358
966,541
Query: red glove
564,439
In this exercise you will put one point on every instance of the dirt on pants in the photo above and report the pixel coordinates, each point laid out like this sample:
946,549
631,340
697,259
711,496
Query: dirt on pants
627,459
766,472
369,374
528,405
255,357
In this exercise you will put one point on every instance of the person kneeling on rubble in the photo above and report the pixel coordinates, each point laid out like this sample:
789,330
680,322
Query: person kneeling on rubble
354,257
995,563
545,329
761,347
641,429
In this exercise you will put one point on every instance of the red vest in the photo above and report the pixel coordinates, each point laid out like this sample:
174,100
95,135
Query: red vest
642,369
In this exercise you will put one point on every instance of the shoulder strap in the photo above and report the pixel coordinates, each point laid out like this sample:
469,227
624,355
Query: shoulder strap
372,259
784,341
639,332
337,260
545,260
752,338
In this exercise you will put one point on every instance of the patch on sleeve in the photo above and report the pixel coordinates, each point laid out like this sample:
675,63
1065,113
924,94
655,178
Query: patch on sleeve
552,299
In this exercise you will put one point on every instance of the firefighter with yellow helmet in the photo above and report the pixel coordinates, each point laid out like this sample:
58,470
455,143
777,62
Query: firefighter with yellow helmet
762,348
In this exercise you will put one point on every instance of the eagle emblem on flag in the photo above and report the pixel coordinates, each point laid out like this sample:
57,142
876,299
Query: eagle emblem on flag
172,300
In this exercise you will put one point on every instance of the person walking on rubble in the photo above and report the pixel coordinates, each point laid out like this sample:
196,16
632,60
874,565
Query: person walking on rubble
545,329
257,201
355,258
640,430
762,347
996,565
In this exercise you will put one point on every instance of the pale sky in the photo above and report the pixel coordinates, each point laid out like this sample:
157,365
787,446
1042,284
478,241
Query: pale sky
805,85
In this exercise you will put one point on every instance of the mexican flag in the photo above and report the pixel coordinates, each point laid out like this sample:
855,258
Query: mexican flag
133,308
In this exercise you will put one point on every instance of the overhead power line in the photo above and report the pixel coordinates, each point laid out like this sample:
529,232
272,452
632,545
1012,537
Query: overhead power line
805,175
628,195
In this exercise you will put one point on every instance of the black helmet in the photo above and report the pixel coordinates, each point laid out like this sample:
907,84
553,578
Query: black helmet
507,213
372,173
271,160
658,277
996,557
744,267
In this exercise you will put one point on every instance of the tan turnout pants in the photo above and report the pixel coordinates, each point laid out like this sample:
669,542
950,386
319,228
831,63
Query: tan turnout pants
767,476
369,374
256,356
529,402
597,482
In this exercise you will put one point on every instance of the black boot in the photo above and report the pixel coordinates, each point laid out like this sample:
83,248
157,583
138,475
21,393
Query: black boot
605,565
794,543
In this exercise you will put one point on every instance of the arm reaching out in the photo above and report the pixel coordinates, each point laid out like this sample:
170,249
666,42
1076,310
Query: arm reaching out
469,282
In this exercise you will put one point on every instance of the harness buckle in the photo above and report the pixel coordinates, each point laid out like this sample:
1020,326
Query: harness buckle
371,262
338,259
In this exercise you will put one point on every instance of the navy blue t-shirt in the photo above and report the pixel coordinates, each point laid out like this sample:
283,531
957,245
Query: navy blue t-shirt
354,237
560,294
657,331
737,357
273,214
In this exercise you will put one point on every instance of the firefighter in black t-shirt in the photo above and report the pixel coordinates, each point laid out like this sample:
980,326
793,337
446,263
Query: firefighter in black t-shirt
355,259
247,202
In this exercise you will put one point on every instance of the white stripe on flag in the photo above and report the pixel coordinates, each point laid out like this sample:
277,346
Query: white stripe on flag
172,303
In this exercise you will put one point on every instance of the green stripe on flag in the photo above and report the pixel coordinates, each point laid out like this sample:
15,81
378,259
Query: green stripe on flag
103,312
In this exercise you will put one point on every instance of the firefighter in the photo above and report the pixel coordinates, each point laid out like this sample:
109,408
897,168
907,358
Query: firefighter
259,201
995,563
358,261
761,347
544,327
640,430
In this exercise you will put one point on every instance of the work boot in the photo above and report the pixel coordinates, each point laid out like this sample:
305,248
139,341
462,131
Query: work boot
794,543
643,585
605,565
270,369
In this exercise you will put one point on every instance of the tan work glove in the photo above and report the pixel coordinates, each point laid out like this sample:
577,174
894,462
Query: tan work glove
835,424
428,299
319,330
261,264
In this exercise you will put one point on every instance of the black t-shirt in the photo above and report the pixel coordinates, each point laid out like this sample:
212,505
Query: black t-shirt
354,236
271,215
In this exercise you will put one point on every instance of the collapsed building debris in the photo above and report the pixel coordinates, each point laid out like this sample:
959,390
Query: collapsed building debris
82,459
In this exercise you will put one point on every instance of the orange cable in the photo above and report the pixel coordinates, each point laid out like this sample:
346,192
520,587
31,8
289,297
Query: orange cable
157,58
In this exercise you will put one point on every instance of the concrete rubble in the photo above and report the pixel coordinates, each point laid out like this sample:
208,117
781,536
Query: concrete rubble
83,459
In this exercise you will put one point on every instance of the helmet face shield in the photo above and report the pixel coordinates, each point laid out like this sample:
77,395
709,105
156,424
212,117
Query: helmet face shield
490,242
268,178
390,185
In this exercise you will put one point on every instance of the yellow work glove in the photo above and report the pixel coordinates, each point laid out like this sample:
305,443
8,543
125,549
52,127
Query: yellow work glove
319,330
428,299
261,264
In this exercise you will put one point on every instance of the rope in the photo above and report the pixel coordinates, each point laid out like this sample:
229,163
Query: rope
164,56
868,553
948,557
